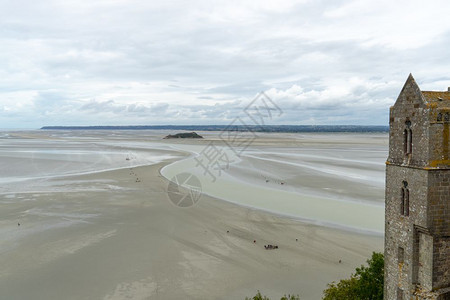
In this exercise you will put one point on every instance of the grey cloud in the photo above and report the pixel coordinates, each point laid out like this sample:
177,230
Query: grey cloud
159,107
49,99
191,62
112,107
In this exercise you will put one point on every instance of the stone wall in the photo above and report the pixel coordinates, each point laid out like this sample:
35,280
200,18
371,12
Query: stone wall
424,263
439,144
441,266
439,202
400,229
409,106
417,240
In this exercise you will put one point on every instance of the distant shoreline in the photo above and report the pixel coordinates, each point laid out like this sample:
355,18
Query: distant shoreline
243,128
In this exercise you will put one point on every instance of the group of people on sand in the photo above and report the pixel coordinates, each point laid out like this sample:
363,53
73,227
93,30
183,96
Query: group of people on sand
279,181
267,247
132,173
270,247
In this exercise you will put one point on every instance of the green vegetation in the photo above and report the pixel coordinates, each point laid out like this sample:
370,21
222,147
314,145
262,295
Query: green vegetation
258,296
365,284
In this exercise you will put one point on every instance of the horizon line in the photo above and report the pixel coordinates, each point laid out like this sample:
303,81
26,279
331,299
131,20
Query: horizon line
249,128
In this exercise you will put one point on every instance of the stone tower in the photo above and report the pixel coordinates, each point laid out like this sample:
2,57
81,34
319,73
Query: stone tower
417,225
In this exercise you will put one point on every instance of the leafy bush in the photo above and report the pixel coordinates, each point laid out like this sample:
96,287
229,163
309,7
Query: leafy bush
365,284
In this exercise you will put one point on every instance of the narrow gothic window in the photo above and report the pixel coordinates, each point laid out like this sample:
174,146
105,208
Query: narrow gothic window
406,211
401,255
404,204
439,117
407,138
446,117
399,294
409,142
405,141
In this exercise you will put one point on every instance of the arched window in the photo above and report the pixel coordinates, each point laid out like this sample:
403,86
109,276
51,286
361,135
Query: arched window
404,204
406,211
405,141
446,117
407,138
439,117
409,142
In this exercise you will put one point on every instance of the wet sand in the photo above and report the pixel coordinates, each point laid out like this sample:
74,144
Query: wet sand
335,180
115,234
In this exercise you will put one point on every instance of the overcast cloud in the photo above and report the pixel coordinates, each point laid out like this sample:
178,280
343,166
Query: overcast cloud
126,62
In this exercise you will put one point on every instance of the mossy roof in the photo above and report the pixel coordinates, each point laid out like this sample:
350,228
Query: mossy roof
440,99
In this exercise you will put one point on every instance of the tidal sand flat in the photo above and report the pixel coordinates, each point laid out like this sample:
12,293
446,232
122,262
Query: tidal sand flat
87,216
330,179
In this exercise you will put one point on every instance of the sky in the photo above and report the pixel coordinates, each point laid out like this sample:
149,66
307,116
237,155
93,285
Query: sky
130,62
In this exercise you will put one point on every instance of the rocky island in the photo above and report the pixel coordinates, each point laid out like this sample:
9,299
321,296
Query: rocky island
184,135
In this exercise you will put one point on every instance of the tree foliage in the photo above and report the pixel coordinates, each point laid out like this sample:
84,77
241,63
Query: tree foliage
258,296
365,284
